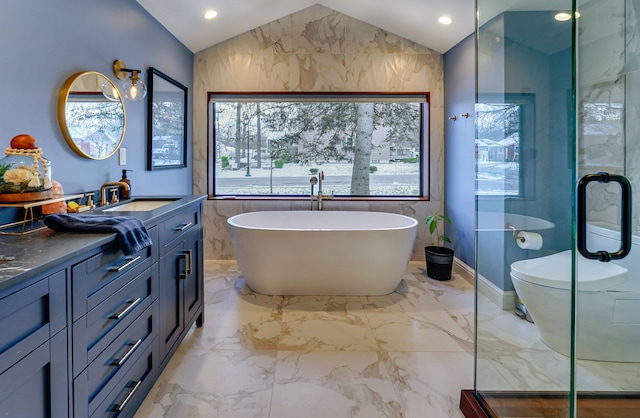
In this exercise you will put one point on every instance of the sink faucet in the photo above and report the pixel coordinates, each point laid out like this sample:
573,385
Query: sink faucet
109,184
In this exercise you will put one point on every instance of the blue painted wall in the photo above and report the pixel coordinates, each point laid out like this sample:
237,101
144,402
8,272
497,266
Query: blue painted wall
44,42
459,147
514,61
548,77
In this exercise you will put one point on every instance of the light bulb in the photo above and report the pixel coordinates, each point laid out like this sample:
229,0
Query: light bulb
134,89
565,16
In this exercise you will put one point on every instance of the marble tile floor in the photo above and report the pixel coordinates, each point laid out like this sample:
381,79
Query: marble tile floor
511,356
404,355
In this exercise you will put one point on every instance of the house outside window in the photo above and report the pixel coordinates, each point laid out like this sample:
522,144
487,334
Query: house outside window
367,145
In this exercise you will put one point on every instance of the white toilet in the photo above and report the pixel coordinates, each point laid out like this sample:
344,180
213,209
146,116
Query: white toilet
608,317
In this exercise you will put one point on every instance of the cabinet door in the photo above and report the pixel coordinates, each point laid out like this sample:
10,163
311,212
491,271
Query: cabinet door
30,316
36,386
194,281
170,297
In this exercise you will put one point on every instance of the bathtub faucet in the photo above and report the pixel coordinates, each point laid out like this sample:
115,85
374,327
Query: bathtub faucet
313,180
320,197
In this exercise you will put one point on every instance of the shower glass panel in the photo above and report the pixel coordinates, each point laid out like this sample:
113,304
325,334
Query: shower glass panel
557,102
607,372
525,180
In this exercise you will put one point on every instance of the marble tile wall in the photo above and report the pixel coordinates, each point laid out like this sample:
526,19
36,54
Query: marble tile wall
316,49
609,76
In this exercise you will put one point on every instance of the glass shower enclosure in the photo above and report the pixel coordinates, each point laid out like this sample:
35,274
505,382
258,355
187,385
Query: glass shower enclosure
557,170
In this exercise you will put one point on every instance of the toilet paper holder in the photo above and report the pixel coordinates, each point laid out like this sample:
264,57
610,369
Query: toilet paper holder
515,232
526,240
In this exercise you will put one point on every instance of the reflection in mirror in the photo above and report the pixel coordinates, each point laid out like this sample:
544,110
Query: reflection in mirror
91,122
166,122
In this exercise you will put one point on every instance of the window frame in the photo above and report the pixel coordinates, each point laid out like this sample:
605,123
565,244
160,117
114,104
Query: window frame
424,139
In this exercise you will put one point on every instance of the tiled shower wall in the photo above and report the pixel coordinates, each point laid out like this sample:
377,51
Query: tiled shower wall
609,76
316,50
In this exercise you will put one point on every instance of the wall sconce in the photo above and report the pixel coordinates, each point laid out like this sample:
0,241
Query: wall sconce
133,88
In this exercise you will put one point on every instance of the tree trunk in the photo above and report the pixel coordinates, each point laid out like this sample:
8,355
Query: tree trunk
258,137
362,150
238,135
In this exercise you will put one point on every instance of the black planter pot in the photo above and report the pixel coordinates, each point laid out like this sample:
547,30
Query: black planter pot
439,262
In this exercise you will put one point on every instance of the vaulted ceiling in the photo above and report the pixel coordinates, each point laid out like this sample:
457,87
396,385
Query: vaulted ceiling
415,20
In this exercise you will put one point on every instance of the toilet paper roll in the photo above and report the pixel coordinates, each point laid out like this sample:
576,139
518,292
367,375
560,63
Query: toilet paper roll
529,240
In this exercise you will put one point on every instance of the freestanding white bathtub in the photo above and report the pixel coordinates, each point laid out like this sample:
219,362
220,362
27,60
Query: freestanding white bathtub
322,252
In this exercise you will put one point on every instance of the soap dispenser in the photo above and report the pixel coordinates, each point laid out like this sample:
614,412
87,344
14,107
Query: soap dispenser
124,193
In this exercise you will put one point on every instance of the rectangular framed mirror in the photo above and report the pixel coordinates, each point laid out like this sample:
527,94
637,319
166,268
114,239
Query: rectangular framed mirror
166,122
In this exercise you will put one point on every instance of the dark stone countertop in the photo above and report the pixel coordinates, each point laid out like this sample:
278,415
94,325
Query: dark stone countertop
24,256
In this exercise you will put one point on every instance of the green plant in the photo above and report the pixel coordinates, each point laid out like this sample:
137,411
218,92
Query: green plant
373,169
313,170
278,163
432,223
411,160
225,161
286,156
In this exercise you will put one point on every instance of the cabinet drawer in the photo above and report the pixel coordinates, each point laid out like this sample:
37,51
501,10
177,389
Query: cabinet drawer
119,353
179,225
124,398
98,277
30,316
94,332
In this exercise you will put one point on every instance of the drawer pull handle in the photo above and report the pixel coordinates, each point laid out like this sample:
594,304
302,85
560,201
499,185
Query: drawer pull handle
131,303
132,348
189,260
130,261
183,227
120,407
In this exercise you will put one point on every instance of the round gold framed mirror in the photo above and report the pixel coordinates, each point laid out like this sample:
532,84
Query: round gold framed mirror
91,115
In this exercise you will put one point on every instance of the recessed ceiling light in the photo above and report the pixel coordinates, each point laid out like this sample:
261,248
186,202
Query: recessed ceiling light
210,14
445,20
564,16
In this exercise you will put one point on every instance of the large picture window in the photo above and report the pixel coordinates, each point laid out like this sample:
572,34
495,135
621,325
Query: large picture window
272,144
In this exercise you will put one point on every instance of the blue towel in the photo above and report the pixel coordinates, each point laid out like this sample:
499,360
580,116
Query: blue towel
132,234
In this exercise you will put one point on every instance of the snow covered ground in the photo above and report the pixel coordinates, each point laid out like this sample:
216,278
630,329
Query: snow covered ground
403,180
334,169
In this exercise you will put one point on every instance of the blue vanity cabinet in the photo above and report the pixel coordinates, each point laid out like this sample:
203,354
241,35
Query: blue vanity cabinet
115,326
88,333
181,294
33,348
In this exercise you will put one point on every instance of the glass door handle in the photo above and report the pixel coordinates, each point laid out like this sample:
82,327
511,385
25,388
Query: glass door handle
626,204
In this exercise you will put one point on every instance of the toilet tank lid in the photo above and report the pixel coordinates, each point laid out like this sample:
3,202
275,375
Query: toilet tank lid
555,271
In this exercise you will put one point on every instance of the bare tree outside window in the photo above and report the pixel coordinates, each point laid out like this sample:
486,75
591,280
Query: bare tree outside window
365,148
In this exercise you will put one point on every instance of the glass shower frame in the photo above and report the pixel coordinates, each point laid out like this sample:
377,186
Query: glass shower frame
579,77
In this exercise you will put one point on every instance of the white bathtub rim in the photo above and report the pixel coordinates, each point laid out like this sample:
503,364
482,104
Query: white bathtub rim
412,223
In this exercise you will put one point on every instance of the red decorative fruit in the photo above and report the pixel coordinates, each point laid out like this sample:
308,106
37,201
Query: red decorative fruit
24,141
